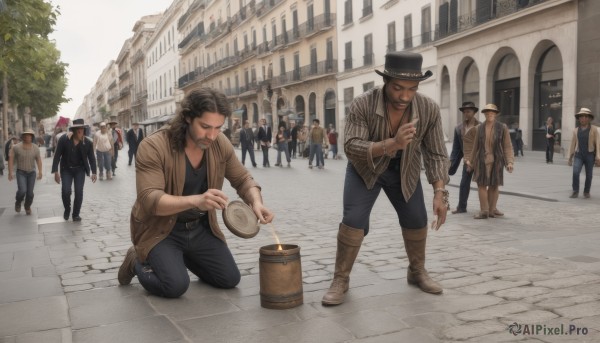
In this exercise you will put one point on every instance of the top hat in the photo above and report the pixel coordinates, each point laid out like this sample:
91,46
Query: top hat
584,112
113,120
490,108
28,132
404,66
77,124
467,105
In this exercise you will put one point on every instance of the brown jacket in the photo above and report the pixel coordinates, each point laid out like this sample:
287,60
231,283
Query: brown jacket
160,170
593,144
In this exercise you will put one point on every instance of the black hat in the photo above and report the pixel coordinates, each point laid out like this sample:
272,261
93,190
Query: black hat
77,123
404,66
467,105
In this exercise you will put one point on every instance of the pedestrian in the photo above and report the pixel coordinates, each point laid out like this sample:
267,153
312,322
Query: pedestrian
519,140
265,136
302,137
117,139
317,138
293,143
549,127
384,144
75,157
469,121
104,149
255,133
281,140
488,150
24,157
247,143
584,151
134,137
332,137
179,174
8,145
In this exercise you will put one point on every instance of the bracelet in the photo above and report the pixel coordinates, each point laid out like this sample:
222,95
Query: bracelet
445,195
384,150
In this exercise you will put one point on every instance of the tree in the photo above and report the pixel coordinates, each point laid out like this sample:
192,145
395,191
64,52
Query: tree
24,28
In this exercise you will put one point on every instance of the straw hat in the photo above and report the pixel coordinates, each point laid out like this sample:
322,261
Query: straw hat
584,112
28,132
491,108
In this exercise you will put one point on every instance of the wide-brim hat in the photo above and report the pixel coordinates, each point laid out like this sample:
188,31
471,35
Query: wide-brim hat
113,120
28,132
584,112
135,123
490,108
404,65
77,124
468,105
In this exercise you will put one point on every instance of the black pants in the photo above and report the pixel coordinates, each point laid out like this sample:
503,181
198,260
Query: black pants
359,201
549,150
465,188
70,177
292,147
195,248
248,147
131,152
265,150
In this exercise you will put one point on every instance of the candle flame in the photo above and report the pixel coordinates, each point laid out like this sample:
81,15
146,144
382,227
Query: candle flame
279,247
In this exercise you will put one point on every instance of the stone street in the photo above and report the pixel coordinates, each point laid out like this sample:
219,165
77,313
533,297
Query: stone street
537,269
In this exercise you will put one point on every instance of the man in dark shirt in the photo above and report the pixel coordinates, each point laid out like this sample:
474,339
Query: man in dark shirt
265,136
75,156
294,141
134,137
247,142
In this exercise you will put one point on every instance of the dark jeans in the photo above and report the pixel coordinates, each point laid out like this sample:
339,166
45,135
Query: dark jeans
70,176
250,149
283,147
587,160
549,150
131,152
25,184
265,150
292,147
197,249
318,150
359,201
465,188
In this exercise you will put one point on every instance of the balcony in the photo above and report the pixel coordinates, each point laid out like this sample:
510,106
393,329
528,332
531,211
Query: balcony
124,75
266,7
367,11
197,32
348,64
196,5
139,55
308,72
368,59
125,91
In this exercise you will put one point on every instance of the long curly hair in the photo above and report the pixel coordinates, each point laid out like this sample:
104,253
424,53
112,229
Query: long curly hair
193,106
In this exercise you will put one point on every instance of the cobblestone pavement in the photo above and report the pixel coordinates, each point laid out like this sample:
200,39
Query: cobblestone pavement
537,269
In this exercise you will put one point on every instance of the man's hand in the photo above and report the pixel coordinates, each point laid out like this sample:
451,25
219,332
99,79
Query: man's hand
57,177
440,209
10,176
405,134
509,167
94,178
212,199
263,214
39,175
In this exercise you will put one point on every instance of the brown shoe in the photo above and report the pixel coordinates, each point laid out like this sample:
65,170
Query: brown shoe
574,195
127,271
18,207
28,211
459,210
586,195
415,242
481,215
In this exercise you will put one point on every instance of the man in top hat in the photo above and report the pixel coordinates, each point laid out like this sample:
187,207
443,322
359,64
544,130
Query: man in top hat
117,136
388,130
584,151
75,156
468,110
25,156
134,137
488,150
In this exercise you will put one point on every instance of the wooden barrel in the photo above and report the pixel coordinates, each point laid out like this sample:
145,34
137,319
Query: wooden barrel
280,276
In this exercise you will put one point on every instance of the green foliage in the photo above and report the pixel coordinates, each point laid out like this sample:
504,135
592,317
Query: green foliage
36,76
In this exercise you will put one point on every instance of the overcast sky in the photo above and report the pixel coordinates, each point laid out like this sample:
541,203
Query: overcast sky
90,33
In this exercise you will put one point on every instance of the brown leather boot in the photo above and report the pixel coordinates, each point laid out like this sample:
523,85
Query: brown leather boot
414,242
127,269
349,241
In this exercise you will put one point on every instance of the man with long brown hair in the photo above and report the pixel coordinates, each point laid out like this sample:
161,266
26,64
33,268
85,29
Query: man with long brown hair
180,171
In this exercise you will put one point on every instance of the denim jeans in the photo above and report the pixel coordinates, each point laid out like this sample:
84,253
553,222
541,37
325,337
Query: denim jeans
465,188
587,160
265,150
359,200
549,150
104,161
70,176
25,183
283,147
165,272
247,147
318,150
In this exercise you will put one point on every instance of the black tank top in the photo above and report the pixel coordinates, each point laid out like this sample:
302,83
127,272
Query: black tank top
196,182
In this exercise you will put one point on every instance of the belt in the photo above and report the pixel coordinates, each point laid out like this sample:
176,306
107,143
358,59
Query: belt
190,224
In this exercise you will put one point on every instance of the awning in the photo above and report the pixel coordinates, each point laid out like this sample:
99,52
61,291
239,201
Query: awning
238,113
158,119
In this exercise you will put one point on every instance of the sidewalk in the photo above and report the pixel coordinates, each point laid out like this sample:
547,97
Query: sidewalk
538,265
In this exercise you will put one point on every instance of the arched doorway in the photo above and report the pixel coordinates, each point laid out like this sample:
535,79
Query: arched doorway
548,94
254,113
507,87
312,107
300,108
329,108
470,89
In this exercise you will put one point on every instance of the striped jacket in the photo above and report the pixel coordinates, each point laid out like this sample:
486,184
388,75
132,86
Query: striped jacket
366,124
